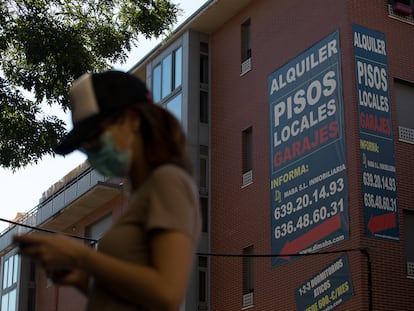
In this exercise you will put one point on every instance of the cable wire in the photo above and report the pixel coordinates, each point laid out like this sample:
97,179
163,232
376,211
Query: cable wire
92,241
362,250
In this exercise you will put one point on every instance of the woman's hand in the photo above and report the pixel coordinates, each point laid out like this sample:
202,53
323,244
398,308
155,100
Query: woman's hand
70,277
54,252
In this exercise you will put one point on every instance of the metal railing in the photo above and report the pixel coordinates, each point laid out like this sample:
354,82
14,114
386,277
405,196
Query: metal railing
51,206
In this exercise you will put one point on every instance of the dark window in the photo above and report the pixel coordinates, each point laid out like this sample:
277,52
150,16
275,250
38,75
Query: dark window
248,270
404,101
406,2
247,137
246,51
203,106
203,168
204,47
204,213
401,9
204,77
409,247
203,68
202,280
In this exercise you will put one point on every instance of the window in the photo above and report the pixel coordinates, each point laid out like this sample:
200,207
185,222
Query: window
178,70
203,106
203,168
204,80
401,10
247,149
174,106
156,84
9,283
166,85
203,68
248,269
167,76
409,247
204,48
248,276
247,157
405,2
404,101
204,213
246,51
97,229
31,294
202,282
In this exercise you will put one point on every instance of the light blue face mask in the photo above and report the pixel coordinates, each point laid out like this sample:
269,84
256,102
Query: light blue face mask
109,161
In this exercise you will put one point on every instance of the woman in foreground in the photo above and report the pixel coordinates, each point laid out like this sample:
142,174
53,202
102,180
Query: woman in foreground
145,259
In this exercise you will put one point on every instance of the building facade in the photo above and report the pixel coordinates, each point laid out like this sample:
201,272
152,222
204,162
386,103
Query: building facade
311,152
299,120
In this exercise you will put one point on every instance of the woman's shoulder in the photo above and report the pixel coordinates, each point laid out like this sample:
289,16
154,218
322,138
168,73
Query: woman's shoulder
168,172
170,177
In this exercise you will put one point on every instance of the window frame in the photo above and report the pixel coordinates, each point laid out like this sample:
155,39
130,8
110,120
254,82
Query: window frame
247,150
248,269
404,106
246,48
408,216
407,17
202,287
10,280
170,64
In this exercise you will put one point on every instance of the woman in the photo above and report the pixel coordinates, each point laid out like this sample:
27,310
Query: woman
144,261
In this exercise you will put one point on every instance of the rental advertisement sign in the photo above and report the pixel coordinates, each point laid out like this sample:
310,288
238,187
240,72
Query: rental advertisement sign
379,185
308,181
327,289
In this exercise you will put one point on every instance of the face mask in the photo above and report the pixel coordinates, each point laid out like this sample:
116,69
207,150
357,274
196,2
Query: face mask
109,161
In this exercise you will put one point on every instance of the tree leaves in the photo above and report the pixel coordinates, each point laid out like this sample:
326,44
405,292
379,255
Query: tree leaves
45,45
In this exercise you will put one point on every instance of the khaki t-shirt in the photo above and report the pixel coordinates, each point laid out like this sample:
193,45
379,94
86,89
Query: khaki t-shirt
168,200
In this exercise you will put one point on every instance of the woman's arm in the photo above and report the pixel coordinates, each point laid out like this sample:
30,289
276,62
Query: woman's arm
162,285
55,253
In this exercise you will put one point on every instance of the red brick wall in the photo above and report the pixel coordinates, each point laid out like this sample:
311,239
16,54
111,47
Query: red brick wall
392,290
241,216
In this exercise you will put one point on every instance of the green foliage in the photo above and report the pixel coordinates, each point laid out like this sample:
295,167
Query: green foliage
45,45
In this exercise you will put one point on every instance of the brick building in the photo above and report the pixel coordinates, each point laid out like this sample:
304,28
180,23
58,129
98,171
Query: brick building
299,118
265,96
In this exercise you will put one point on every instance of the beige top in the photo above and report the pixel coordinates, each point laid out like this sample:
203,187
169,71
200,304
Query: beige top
167,200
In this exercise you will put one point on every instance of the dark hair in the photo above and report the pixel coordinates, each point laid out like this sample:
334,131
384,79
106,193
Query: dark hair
164,139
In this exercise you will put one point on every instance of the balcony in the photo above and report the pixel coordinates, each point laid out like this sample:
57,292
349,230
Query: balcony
79,197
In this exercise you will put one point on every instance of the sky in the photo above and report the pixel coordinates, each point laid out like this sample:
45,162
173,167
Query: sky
20,191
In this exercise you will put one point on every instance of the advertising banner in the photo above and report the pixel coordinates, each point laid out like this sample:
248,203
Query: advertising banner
308,183
326,290
379,185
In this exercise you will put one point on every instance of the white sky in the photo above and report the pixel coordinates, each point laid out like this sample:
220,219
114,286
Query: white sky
21,191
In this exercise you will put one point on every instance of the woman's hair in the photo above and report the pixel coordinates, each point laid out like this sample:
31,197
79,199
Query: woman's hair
163,137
